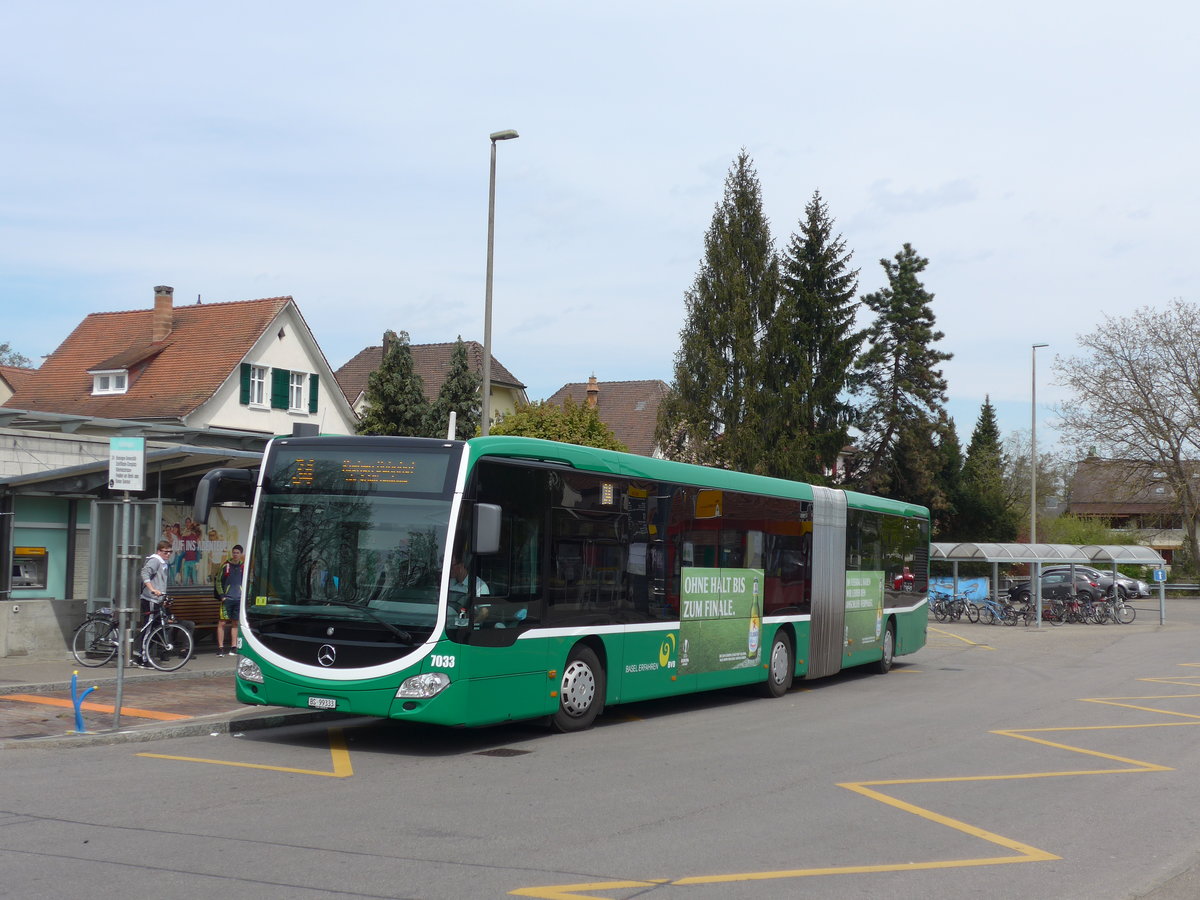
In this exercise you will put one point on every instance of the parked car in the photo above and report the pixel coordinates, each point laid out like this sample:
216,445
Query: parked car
1058,586
1126,586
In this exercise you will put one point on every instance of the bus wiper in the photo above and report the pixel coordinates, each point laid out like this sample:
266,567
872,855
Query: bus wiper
398,632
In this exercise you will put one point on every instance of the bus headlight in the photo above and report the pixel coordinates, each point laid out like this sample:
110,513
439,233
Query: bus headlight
422,687
248,670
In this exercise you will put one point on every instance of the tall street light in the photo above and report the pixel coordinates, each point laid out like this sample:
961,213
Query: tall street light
1033,448
486,387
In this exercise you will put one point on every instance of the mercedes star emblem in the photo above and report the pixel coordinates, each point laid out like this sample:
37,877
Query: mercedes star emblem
326,655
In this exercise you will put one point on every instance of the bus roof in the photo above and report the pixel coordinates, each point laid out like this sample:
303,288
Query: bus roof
630,465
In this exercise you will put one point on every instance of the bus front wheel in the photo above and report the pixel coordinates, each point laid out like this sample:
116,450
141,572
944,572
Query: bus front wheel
781,666
581,693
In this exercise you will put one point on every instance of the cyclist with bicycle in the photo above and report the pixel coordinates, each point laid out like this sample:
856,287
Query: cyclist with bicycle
154,585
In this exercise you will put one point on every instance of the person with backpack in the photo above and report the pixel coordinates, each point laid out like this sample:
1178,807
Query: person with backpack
229,591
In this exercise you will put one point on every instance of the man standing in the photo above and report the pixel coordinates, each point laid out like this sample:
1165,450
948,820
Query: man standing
231,599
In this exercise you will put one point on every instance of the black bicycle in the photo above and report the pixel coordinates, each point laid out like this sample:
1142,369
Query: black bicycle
165,644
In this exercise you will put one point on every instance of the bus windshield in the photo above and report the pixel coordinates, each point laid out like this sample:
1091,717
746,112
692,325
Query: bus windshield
364,560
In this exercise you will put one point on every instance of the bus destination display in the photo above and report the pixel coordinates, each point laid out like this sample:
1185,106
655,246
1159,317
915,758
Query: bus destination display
335,472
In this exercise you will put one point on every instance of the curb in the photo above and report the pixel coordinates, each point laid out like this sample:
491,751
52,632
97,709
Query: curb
214,723
141,676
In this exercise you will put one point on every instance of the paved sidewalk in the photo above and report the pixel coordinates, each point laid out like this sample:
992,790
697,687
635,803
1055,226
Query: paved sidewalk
36,708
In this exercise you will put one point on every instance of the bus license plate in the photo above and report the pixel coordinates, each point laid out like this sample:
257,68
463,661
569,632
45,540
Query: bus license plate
322,703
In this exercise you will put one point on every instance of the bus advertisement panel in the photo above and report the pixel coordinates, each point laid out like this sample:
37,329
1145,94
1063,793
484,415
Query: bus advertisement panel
721,619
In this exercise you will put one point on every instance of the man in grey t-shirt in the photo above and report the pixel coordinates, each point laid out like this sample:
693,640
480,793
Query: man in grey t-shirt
154,586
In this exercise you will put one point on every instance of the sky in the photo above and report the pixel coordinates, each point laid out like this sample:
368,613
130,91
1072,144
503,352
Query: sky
1042,156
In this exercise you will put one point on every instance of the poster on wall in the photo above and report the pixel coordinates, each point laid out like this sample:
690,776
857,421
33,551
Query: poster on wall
720,619
199,550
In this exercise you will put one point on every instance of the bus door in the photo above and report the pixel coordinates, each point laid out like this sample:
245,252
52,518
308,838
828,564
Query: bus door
827,633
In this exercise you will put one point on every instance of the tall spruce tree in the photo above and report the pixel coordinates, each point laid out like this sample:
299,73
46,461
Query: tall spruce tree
985,513
812,343
396,404
904,393
459,393
717,397
949,479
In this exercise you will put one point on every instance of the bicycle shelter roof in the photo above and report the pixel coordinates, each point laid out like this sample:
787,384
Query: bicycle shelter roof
1131,554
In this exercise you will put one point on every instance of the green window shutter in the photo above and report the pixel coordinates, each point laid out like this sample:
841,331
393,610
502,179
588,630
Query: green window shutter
280,383
245,394
313,383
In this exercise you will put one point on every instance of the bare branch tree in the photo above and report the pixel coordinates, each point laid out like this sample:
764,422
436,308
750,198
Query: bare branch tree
1137,399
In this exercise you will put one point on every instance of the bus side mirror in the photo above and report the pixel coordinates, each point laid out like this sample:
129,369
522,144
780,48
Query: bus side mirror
221,485
487,528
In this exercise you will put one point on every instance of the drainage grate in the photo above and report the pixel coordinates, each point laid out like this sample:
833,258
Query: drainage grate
503,751
949,669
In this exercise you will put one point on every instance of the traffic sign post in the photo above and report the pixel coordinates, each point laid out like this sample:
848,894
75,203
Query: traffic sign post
126,472
127,464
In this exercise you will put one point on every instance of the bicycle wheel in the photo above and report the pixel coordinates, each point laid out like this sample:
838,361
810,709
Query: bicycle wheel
1056,613
168,647
94,642
1100,613
1123,613
986,616
972,612
939,610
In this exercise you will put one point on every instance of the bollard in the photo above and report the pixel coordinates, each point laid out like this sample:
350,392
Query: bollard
77,699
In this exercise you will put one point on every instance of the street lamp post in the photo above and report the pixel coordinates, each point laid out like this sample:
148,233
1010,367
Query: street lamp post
486,387
1033,447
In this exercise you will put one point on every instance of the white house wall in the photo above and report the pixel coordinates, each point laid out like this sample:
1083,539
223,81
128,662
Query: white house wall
296,353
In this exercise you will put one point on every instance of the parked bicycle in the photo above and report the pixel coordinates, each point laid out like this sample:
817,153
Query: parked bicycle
947,606
1119,609
992,611
164,643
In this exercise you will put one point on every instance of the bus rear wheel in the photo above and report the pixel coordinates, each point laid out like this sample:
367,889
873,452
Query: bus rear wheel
781,666
889,650
581,693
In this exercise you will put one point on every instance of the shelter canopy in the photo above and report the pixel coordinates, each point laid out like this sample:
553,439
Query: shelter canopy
1124,554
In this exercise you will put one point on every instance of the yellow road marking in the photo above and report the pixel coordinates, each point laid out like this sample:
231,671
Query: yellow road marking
959,637
337,751
1025,853
97,707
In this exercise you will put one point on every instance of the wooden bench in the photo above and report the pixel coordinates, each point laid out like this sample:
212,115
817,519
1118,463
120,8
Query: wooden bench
197,604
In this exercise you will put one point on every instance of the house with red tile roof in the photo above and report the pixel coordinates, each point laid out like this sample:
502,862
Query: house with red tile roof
10,378
432,363
628,408
205,386
1133,496
249,366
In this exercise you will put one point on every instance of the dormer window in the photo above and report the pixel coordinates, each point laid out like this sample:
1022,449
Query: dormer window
113,381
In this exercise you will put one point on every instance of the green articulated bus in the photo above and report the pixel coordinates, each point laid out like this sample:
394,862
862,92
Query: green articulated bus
503,578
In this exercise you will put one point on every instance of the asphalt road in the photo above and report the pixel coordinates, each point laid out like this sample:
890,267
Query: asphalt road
996,763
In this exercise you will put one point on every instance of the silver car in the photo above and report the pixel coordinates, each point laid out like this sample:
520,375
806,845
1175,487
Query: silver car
1126,586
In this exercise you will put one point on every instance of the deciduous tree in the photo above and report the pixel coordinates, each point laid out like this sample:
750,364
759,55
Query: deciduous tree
10,357
571,423
1136,397
395,403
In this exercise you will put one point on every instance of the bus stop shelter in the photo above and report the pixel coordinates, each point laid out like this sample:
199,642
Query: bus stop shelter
1097,556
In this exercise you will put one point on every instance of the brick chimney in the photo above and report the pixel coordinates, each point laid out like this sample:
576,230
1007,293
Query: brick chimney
161,323
593,392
